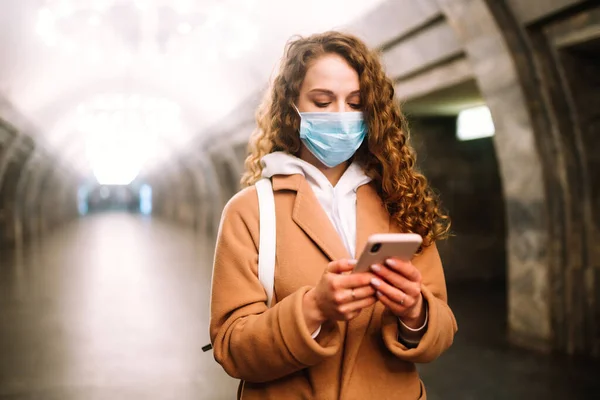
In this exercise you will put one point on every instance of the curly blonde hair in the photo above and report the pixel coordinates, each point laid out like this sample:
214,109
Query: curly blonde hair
386,155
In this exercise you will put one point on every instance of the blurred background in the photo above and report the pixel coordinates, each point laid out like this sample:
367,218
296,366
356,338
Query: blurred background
123,130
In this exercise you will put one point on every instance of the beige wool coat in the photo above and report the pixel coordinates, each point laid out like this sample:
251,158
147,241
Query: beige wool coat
271,350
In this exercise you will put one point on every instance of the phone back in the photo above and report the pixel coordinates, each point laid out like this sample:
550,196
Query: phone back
382,246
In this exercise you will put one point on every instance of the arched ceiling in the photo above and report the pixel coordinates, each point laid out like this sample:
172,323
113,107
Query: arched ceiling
69,66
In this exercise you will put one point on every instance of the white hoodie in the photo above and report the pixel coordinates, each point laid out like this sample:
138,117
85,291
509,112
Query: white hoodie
339,201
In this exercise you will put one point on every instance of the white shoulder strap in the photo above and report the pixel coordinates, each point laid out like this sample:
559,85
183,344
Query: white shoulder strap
267,242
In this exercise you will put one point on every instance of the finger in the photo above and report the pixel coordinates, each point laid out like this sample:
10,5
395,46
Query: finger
397,280
344,296
353,280
362,292
396,308
404,268
340,266
356,305
393,293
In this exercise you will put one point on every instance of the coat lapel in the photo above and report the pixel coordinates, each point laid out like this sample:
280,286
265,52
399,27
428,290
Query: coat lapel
310,216
371,217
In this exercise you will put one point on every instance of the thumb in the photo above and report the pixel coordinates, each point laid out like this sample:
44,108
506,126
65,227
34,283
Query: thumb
341,266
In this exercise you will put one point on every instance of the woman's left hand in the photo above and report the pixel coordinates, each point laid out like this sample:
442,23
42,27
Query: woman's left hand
398,286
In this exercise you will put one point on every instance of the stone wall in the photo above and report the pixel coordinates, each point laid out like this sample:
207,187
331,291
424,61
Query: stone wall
36,195
465,174
552,45
583,70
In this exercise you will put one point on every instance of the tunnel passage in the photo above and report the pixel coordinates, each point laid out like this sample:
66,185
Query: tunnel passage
101,305
524,202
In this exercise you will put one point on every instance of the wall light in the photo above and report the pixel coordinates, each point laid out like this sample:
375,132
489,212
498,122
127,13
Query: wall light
475,123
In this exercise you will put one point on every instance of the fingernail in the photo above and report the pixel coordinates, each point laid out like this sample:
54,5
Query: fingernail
375,282
375,267
352,262
391,263
379,294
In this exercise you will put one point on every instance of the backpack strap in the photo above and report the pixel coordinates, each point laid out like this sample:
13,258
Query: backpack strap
268,235
267,241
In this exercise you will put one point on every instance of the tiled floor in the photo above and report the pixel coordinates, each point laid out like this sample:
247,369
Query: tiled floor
481,364
113,307
116,307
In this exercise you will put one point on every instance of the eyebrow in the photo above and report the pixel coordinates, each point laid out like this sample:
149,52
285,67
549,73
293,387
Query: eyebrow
329,92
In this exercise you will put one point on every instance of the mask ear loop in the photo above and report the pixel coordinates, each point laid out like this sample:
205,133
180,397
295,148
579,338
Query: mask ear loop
296,108
299,115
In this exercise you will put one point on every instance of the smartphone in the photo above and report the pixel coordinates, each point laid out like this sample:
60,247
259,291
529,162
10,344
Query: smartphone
382,246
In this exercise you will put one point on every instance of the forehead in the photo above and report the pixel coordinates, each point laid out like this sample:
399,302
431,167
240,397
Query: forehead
331,72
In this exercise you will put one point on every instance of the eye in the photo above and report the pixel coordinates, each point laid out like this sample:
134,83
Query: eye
355,106
321,105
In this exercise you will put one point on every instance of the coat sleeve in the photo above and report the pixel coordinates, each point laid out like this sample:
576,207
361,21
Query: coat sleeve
251,341
441,326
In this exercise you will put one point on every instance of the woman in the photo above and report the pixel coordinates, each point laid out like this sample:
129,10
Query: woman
338,176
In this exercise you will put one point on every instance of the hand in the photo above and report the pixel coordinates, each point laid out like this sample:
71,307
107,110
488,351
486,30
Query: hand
338,296
398,285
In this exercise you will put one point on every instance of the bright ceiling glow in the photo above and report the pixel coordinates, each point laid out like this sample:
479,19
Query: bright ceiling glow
228,24
475,123
122,132
45,27
183,6
206,55
95,20
184,28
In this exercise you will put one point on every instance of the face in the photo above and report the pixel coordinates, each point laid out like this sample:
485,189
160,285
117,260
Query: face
330,85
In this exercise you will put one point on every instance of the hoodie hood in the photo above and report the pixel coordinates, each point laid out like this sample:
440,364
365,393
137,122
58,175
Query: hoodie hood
281,163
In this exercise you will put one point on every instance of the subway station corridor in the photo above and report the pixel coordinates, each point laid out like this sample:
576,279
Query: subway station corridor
115,306
127,126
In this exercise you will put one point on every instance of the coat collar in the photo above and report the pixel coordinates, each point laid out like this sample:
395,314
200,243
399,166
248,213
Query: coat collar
371,215
310,216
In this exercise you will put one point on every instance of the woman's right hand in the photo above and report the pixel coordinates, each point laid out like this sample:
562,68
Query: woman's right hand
339,295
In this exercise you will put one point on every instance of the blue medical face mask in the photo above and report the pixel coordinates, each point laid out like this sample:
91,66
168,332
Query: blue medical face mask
332,137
